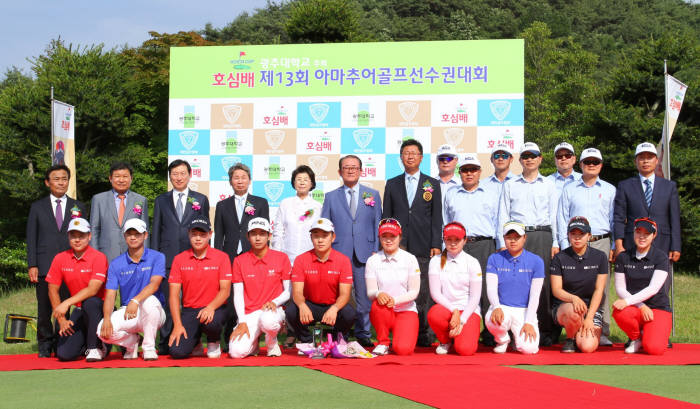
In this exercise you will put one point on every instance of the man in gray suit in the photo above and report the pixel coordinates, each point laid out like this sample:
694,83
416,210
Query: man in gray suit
111,209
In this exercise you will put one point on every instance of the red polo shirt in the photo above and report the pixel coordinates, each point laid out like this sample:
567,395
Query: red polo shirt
200,277
322,278
261,278
77,272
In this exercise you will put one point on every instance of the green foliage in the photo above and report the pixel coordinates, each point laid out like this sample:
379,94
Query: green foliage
323,21
13,265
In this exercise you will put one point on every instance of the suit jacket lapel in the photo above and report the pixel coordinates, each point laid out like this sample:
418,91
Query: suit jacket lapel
48,207
171,205
115,208
640,192
67,215
402,184
188,206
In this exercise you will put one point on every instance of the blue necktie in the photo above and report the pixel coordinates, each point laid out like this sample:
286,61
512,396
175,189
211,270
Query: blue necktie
411,190
647,192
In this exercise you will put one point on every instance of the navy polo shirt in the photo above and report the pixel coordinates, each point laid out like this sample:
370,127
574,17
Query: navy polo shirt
638,274
515,275
579,273
130,278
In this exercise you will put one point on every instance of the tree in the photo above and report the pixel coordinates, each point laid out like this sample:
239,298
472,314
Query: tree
323,21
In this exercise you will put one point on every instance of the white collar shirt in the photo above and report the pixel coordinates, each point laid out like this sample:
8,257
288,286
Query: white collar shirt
392,274
290,228
455,278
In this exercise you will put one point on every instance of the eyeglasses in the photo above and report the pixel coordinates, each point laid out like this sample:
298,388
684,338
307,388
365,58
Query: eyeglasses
526,156
447,159
567,155
504,155
469,170
351,168
389,220
409,154
591,162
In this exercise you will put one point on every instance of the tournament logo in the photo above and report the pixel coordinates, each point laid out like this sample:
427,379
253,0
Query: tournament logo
363,137
273,190
274,138
500,109
189,139
231,113
318,163
318,112
453,136
228,161
408,110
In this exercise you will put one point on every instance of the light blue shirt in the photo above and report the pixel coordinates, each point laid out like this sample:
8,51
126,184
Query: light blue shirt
126,195
444,188
411,186
493,182
476,210
560,181
651,178
531,203
356,195
596,203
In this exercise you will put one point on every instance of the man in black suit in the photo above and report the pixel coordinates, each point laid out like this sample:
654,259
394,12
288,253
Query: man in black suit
173,211
47,236
231,226
647,195
413,198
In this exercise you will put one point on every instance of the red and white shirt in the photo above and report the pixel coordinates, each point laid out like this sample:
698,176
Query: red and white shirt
77,272
200,277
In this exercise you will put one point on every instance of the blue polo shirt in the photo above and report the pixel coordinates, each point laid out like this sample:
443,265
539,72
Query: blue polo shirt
130,278
515,275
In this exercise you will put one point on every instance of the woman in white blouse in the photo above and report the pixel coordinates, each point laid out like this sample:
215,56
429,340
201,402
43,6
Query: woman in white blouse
393,281
295,216
455,285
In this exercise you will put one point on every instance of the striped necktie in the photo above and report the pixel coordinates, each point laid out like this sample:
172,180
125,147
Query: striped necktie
648,192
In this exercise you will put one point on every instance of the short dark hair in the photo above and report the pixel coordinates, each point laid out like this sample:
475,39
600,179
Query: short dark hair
178,162
308,171
120,166
340,162
238,166
411,142
55,168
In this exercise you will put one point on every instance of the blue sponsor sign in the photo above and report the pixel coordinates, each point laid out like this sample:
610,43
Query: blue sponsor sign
362,140
188,142
274,191
318,115
501,112
220,164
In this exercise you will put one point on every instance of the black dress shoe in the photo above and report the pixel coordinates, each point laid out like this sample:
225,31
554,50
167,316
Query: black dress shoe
45,353
424,342
163,350
670,345
546,341
365,342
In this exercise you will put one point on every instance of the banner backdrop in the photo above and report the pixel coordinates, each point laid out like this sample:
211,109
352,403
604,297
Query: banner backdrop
63,139
275,107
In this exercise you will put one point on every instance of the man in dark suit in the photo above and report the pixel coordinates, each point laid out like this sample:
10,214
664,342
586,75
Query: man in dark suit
355,211
47,236
647,195
231,226
172,213
413,198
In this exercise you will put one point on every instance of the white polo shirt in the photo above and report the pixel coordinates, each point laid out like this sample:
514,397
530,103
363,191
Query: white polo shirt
392,274
455,278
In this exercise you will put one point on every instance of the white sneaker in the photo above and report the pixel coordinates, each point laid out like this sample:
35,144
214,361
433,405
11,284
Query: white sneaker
304,347
274,350
381,349
131,353
634,347
213,350
501,348
150,355
95,354
198,350
442,349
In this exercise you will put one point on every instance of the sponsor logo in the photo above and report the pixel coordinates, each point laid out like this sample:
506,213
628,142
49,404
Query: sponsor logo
408,110
274,138
318,163
273,190
318,111
363,137
500,109
189,139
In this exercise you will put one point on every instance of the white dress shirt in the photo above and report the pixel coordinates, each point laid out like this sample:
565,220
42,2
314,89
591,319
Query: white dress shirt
176,197
64,202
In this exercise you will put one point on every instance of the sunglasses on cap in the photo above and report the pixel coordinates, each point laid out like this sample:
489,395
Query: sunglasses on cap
566,155
502,155
446,158
389,220
528,155
591,162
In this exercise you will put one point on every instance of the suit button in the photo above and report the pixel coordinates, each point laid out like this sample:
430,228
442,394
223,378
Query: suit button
409,212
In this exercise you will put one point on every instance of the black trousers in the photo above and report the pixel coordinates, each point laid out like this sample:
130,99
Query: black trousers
540,243
195,329
481,250
343,322
46,331
424,302
85,320
167,327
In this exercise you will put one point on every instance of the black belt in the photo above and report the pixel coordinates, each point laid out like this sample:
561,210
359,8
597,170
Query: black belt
472,239
599,237
538,228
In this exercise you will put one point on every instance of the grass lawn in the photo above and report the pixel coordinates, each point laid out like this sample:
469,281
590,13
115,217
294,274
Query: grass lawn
250,387
675,382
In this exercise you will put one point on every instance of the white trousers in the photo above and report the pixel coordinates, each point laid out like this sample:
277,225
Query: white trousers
150,316
258,322
513,320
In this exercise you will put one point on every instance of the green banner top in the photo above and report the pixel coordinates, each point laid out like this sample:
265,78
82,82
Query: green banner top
348,69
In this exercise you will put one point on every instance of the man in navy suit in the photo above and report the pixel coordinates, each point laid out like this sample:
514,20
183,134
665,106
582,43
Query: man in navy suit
231,226
413,198
647,195
47,236
355,210
172,213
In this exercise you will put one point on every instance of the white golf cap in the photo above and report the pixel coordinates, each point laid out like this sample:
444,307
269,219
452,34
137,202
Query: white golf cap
446,150
591,153
564,145
136,224
469,159
502,147
79,224
514,226
645,147
530,147
259,223
322,224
